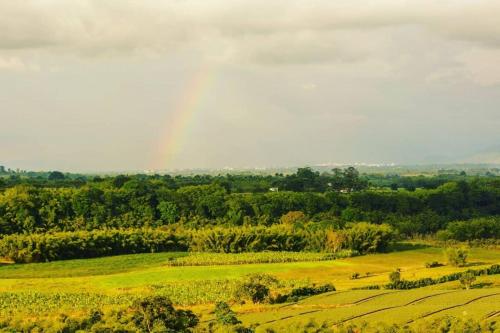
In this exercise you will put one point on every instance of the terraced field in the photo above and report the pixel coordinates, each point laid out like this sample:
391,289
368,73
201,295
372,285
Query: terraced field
401,307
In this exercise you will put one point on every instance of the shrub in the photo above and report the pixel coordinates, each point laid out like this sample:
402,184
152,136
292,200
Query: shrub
354,276
366,237
457,256
89,244
255,287
293,217
249,239
157,314
224,315
481,228
358,238
298,293
405,284
432,264
467,279
395,276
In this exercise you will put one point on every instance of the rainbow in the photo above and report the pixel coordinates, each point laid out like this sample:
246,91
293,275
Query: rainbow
184,112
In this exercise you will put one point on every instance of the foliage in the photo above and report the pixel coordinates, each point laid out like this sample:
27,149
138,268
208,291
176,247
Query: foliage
88,244
211,259
467,276
297,293
467,279
86,203
255,287
224,315
480,228
395,276
366,237
432,264
151,314
25,248
249,239
457,256
156,314
293,217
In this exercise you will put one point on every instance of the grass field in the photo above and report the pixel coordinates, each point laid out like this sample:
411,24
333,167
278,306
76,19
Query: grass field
76,285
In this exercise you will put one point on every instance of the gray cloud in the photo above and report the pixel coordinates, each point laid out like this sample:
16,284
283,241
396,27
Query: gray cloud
97,84
262,31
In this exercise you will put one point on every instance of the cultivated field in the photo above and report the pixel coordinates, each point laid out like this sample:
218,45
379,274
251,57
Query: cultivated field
198,280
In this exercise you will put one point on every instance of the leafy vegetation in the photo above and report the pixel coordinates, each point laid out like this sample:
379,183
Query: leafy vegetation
331,199
228,250
210,259
457,256
27,248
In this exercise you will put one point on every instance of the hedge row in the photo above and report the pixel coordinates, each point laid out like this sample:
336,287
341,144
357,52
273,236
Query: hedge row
361,237
88,244
406,284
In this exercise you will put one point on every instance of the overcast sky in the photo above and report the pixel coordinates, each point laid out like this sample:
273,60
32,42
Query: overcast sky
100,85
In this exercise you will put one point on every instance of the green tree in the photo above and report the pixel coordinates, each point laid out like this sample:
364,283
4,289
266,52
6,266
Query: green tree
395,276
157,314
224,315
467,279
457,256
56,175
255,287
169,213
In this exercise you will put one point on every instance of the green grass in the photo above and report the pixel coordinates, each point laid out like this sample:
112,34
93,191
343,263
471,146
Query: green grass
137,262
88,267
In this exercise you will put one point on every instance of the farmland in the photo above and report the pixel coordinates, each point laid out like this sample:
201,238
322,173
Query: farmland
197,281
201,254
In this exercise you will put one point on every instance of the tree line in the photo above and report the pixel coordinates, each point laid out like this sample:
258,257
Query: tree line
25,248
121,202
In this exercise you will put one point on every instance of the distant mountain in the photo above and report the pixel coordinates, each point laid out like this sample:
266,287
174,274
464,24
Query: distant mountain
489,156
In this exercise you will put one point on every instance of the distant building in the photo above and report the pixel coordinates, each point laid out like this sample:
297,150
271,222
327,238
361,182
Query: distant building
273,189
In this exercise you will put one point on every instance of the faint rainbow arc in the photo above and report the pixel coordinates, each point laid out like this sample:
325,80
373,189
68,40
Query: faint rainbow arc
185,110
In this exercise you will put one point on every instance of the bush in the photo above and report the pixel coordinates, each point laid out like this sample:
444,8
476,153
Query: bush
366,237
466,276
395,276
432,264
457,256
358,238
224,315
481,228
89,244
157,314
467,279
298,293
255,287
151,314
248,239
293,217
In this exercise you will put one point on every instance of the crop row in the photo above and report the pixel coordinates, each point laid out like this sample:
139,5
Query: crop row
211,259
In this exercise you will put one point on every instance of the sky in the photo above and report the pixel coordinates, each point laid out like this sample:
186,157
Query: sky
179,84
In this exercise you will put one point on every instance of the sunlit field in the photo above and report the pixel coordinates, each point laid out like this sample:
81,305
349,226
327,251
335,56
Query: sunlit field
75,286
